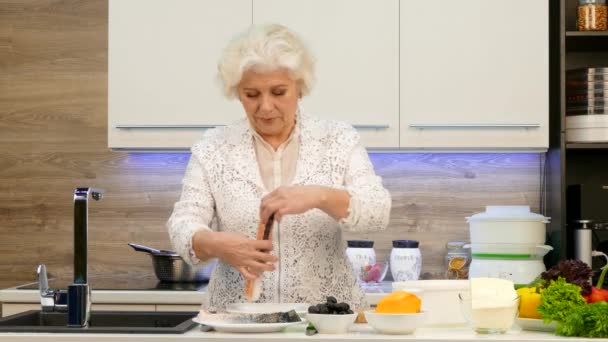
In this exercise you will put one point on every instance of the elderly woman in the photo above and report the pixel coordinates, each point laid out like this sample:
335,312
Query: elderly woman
313,175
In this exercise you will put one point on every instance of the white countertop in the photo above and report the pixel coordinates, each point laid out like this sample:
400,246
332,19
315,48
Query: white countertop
14,295
360,332
439,296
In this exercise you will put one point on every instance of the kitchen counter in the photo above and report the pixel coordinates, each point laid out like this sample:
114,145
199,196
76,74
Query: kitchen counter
141,290
147,296
117,295
13,295
360,332
445,320
440,299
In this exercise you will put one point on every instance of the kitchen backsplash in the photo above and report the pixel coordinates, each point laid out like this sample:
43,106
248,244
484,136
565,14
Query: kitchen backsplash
53,138
433,193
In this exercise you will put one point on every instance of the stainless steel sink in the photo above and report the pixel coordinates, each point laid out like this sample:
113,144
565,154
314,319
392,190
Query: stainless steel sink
110,322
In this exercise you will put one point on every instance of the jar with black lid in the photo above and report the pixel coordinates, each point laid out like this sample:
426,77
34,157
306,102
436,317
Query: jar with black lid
360,253
405,260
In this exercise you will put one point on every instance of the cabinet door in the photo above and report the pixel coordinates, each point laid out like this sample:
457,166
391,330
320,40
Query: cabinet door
474,74
355,44
162,63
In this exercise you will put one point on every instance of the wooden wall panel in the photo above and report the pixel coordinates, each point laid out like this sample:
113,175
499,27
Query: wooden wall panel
53,121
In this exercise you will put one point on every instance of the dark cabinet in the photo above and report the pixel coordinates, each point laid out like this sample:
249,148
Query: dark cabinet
573,163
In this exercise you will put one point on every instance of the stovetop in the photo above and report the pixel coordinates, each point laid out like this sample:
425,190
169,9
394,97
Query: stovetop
138,284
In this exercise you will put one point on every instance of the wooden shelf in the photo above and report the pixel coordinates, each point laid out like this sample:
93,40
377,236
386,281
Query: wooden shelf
586,33
581,146
586,41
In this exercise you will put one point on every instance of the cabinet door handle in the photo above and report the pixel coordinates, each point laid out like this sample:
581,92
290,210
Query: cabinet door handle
474,125
166,126
213,126
371,126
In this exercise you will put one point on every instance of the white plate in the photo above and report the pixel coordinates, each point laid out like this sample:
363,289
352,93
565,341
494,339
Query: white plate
260,308
246,327
535,324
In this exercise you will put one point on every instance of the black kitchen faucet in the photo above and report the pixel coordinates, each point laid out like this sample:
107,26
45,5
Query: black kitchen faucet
77,299
79,293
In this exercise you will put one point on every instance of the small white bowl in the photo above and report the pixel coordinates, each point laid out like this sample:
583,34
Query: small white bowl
488,319
332,324
395,324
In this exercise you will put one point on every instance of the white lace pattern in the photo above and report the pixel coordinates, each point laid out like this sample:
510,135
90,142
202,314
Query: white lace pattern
223,180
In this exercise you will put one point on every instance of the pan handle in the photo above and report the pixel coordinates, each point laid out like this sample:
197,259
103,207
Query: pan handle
150,250
146,249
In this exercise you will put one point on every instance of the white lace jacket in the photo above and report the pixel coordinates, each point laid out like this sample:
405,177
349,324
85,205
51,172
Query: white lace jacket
223,180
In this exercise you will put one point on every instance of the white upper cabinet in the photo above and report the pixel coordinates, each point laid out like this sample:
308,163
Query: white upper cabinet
474,74
162,63
408,74
356,47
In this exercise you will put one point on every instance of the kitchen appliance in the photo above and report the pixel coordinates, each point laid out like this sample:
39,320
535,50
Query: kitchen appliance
583,241
508,242
520,271
587,220
170,267
587,105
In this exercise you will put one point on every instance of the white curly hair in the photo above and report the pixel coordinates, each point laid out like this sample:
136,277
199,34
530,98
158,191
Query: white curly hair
266,48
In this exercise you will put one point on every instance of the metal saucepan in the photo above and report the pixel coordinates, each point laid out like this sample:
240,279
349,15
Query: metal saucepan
169,266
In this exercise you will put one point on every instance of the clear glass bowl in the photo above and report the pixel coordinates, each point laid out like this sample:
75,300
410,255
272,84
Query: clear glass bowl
488,319
371,274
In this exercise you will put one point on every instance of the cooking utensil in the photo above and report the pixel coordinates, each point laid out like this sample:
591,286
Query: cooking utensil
268,227
170,267
508,225
508,242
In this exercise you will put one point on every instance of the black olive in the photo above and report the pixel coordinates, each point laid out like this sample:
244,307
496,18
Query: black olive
313,309
332,299
343,307
324,310
350,311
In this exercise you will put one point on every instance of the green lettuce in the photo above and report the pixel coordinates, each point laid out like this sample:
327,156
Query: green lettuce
590,320
559,299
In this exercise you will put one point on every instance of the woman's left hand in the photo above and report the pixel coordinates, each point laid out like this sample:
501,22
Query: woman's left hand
289,200
298,199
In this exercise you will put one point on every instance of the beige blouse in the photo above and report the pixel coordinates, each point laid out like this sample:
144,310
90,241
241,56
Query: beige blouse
277,167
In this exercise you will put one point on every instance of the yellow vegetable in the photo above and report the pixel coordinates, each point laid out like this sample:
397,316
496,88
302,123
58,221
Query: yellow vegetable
399,302
529,300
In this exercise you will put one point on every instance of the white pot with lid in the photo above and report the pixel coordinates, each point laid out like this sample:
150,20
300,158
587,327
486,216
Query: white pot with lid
508,224
509,250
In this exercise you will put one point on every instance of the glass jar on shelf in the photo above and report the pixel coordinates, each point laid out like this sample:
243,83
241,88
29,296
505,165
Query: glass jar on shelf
592,15
457,260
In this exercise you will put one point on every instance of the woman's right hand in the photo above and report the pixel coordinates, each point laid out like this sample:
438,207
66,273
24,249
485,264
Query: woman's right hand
249,257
